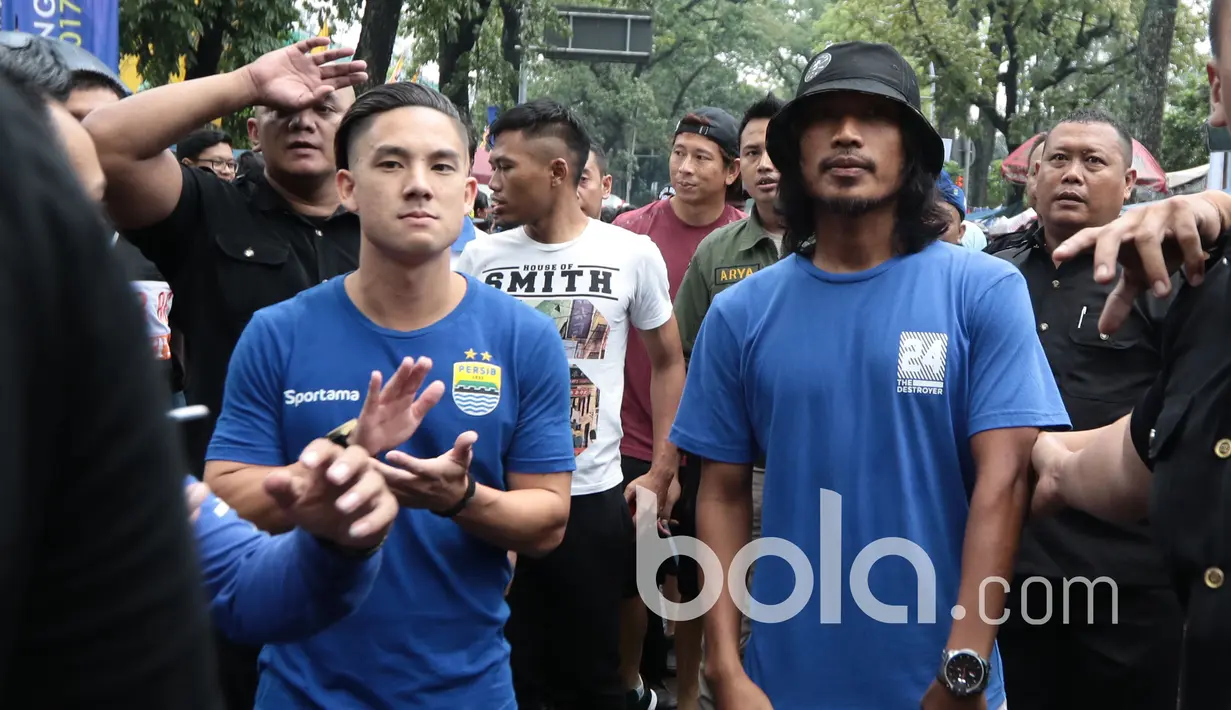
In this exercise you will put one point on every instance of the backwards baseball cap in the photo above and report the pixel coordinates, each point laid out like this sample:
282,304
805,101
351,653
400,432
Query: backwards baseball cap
951,193
860,67
717,125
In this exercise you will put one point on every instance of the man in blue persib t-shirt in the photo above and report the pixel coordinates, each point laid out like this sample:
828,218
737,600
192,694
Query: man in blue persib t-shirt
895,385
429,634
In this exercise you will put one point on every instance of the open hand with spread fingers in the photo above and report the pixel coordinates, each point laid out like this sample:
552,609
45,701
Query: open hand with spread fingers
392,414
1150,242
334,494
292,78
440,484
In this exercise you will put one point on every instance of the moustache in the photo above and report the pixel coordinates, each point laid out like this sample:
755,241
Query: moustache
848,160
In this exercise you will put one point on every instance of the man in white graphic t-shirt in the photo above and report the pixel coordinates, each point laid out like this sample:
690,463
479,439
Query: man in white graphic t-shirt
597,281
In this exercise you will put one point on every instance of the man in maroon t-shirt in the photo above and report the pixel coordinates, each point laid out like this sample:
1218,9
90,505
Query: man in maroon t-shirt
704,164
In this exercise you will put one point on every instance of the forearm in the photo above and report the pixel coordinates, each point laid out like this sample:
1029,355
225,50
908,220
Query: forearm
666,387
1106,478
993,530
243,489
146,124
724,524
528,521
287,588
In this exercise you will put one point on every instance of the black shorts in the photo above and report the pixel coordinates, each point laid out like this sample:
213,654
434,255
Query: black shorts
564,610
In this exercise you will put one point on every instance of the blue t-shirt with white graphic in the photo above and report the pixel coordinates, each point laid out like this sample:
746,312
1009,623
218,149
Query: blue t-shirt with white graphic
430,634
866,386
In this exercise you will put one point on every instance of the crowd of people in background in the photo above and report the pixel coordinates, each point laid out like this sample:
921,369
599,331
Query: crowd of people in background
446,426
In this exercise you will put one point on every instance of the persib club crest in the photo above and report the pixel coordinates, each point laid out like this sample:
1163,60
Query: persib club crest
476,384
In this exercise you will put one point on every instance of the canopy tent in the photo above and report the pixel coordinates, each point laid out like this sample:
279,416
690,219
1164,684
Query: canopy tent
1149,173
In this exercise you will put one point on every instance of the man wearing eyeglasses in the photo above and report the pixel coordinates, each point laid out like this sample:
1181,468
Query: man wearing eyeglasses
208,149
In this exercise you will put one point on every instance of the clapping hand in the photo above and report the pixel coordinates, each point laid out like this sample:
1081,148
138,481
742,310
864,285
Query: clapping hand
335,494
292,78
434,484
390,416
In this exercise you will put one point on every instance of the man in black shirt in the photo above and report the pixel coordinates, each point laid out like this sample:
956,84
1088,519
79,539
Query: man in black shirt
229,249
102,599
1172,455
1123,656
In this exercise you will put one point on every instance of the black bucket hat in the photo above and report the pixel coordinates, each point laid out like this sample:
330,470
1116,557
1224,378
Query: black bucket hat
862,67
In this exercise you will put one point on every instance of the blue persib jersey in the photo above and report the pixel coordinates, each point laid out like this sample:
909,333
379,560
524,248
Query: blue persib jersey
429,634
866,386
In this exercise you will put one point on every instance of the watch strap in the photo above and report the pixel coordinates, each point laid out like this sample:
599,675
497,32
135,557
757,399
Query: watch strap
461,505
341,435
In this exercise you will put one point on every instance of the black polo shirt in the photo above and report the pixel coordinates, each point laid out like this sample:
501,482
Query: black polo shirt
228,250
1182,430
1100,378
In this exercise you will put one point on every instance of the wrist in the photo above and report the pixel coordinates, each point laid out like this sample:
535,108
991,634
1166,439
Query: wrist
244,88
456,509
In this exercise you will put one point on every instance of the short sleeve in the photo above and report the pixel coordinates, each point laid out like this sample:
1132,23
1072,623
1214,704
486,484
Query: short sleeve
169,244
248,426
692,300
543,439
1011,384
651,303
713,421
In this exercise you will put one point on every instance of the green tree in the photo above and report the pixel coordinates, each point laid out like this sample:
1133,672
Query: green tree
1184,137
1021,63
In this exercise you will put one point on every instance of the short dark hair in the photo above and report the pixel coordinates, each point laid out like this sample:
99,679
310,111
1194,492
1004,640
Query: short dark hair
920,210
249,163
385,98
32,65
480,201
1094,115
600,157
199,141
767,107
544,118
83,80
1215,25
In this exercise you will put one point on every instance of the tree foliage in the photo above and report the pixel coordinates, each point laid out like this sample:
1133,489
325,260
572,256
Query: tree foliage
1022,63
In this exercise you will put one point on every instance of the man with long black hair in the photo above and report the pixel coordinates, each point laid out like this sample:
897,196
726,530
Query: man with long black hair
876,369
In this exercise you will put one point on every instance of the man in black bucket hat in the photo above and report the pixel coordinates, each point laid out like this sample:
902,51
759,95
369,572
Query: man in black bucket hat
897,376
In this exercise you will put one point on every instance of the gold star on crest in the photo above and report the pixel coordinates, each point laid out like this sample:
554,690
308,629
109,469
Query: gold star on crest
469,354
487,357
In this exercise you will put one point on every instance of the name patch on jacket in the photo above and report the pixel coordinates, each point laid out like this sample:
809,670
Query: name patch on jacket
724,275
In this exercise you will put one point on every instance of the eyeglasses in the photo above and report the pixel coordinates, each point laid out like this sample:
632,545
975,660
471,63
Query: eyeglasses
220,163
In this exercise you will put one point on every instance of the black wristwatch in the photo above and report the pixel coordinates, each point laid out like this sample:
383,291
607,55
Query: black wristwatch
341,435
964,672
461,505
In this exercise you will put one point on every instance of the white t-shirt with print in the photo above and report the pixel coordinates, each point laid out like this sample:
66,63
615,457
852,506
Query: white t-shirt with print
595,287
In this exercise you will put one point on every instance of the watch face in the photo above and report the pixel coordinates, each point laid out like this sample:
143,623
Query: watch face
964,673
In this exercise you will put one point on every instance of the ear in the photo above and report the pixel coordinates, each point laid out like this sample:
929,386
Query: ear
559,171
733,172
346,190
186,161
1130,180
606,186
471,189
961,231
254,134
1218,114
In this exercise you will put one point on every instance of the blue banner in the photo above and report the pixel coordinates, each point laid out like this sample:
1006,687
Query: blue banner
93,25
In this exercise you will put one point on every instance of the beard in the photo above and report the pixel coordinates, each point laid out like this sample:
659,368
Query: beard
852,206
